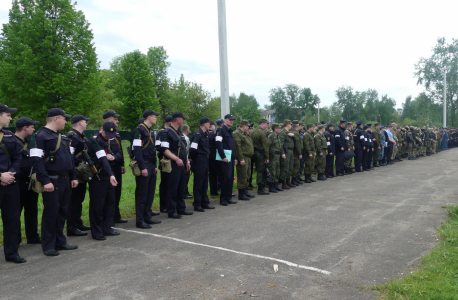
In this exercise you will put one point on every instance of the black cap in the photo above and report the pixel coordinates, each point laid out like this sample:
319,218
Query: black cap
110,114
168,119
322,122
110,129
219,121
229,116
25,122
369,124
359,122
57,112
77,118
178,114
343,121
4,108
140,121
251,125
330,125
212,123
365,127
149,112
204,120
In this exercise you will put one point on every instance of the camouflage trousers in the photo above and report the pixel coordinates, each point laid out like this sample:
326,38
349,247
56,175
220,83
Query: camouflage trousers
286,166
274,168
243,173
375,156
348,163
296,165
320,162
410,151
259,161
309,164
395,151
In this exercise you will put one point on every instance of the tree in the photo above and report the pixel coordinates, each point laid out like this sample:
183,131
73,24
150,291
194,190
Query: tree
246,107
47,58
429,73
408,110
292,102
133,86
346,101
157,60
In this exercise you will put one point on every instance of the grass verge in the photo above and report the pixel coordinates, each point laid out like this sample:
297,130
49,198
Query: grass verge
437,275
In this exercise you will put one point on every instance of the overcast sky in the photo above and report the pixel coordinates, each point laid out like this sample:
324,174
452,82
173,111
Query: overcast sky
318,44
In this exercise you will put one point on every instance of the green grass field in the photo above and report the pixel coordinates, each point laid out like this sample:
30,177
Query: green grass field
126,206
437,276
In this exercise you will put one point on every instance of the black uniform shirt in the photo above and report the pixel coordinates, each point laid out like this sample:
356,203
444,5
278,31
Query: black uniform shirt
14,163
225,141
199,144
212,144
42,143
340,139
26,162
98,149
173,140
142,137
78,143
330,142
116,146
358,138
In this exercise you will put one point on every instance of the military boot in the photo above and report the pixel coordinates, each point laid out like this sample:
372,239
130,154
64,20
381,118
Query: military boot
245,190
321,176
284,185
311,178
288,182
307,180
262,191
242,195
272,188
295,181
299,180
278,187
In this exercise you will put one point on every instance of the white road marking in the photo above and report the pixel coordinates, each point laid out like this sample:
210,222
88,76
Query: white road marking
288,263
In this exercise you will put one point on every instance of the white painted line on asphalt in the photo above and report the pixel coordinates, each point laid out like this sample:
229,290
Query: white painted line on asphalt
230,250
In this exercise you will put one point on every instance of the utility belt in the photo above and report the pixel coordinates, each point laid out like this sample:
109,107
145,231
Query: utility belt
260,150
203,154
290,148
149,162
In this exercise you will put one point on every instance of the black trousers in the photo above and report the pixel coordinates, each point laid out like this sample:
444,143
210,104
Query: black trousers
358,159
329,164
177,184
199,167
340,162
144,193
55,208
11,213
228,180
369,158
75,206
163,191
29,202
216,175
364,162
101,206
389,153
118,189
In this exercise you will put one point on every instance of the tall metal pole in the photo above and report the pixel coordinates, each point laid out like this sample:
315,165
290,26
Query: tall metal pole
445,99
318,112
223,68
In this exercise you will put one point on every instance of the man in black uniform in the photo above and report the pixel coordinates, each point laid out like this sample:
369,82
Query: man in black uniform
163,187
330,142
360,146
173,146
216,173
371,145
102,187
199,153
29,199
55,169
118,168
340,147
225,141
78,144
366,152
10,163
143,148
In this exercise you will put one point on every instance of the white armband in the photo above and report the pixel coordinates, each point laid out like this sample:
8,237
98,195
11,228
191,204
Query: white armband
72,150
337,135
328,143
361,137
347,138
35,152
165,144
365,139
194,145
219,138
100,153
158,142
137,143
370,140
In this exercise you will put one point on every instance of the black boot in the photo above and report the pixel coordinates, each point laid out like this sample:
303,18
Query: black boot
289,183
242,195
311,178
307,180
272,188
278,187
321,176
296,179
245,191
262,191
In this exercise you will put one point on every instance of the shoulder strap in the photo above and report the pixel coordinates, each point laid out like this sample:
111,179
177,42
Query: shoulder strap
181,142
59,140
150,138
3,147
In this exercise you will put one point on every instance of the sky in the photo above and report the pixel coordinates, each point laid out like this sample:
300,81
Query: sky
321,45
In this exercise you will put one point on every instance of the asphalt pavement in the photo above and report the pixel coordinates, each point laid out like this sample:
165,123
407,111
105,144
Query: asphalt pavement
324,240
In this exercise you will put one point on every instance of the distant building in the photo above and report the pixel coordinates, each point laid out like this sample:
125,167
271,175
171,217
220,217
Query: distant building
399,111
269,115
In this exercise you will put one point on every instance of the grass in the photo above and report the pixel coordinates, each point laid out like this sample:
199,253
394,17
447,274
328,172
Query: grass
127,203
437,275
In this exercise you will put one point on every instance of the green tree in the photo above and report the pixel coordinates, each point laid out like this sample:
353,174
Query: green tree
408,110
429,72
346,101
292,102
246,107
157,60
47,58
133,86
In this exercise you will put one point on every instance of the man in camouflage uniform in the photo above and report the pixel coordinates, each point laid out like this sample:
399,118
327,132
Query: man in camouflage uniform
321,152
349,145
400,143
276,153
395,146
286,139
377,139
297,153
309,153
261,154
243,152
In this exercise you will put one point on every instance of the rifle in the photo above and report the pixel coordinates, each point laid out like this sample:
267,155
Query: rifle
30,179
129,151
91,164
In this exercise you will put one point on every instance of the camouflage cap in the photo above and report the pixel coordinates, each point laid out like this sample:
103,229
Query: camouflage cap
286,121
321,127
275,126
262,120
310,125
295,122
376,124
349,123
301,124
244,122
